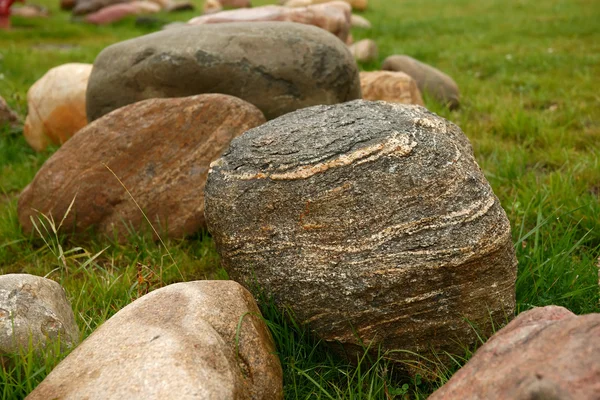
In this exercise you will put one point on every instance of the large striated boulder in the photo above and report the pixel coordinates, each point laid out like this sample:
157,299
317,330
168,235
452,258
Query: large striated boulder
334,17
395,87
7,116
430,80
179,342
371,220
34,310
159,148
545,353
277,66
56,105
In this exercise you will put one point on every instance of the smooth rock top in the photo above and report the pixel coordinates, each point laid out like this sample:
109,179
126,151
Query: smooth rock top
160,149
545,353
193,340
277,66
366,217
36,308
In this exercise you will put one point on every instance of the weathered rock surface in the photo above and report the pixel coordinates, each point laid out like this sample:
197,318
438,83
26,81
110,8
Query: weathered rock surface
545,353
430,80
36,308
159,148
56,105
366,217
395,87
334,16
364,50
178,342
277,66
7,116
83,7
355,4
117,12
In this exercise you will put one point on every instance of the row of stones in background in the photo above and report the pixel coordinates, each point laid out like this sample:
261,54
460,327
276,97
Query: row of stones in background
179,342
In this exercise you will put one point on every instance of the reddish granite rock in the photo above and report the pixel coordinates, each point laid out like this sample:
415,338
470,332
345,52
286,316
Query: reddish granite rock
545,353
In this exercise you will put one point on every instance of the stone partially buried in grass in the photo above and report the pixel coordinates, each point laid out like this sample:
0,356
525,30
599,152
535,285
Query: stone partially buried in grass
372,221
395,87
34,310
277,66
159,148
545,353
194,340
56,105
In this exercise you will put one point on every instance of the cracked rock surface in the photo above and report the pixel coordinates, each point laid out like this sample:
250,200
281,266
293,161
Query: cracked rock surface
368,219
277,66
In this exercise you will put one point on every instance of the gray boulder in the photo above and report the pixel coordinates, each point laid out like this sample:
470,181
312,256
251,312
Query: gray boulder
429,79
372,221
277,66
36,308
179,342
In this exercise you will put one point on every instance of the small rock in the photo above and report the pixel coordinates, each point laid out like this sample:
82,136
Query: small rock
544,353
117,12
56,105
236,3
159,148
334,16
163,4
67,5
364,50
30,11
7,116
358,21
34,308
394,87
372,221
212,7
277,66
430,80
83,7
181,6
178,342
355,4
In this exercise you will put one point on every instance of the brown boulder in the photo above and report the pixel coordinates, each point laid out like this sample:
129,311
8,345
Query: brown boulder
334,16
364,50
395,87
193,340
236,3
7,116
67,5
159,148
429,80
372,221
545,353
56,105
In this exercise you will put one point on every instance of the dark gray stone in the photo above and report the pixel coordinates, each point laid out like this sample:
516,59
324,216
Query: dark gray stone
368,219
277,66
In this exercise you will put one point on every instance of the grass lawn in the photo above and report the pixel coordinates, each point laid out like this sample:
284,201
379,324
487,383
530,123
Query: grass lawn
529,74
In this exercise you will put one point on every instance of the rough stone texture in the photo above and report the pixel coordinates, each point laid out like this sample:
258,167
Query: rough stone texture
56,105
355,4
545,353
117,12
431,80
334,16
358,21
277,66
36,308
366,217
7,116
364,50
159,148
83,7
178,342
395,87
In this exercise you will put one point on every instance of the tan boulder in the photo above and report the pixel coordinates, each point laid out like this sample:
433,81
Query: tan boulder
7,116
56,105
545,353
394,87
333,16
159,148
364,50
429,79
34,310
180,342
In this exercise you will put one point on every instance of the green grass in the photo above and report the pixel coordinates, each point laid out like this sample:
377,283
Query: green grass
528,73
